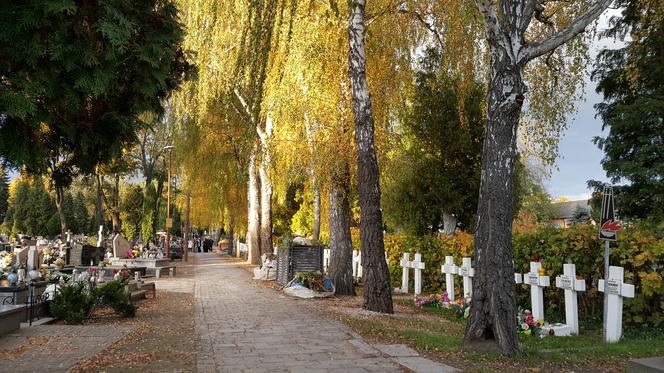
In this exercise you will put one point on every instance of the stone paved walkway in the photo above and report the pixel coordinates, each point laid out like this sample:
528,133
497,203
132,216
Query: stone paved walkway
243,326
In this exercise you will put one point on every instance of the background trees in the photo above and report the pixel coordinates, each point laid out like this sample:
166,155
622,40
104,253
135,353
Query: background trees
630,79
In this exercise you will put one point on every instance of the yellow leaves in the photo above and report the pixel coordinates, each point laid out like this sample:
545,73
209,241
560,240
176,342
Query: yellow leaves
650,282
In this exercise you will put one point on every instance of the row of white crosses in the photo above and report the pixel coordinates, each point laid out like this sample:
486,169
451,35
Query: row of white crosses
568,282
356,263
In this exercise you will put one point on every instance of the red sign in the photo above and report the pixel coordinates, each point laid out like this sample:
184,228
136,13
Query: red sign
611,226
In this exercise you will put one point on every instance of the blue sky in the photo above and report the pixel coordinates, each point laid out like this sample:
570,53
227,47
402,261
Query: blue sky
580,159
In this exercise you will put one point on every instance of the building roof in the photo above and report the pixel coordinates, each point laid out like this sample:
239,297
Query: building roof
565,210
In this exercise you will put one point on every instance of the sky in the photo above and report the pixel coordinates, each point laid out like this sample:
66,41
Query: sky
579,159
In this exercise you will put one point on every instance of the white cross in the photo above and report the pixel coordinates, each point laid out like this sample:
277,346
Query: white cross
99,238
449,269
418,265
617,290
571,285
536,283
359,264
467,272
405,268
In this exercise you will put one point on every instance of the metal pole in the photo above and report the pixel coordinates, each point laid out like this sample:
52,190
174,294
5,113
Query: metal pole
168,206
606,278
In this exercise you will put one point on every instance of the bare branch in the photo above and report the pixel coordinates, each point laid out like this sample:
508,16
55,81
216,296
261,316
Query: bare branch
545,46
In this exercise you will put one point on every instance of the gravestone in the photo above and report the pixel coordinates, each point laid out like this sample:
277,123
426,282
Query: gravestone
326,258
21,255
418,265
571,285
92,255
616,290
467,272
33,261
536,283
75,254
405,269
356,263
120,246
449,269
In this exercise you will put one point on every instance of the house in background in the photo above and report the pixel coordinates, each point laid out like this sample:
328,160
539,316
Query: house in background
564,212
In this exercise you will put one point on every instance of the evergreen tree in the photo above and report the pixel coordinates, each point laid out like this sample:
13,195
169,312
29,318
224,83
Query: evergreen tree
438,173
580,215
68,207
17,219
4,193
131,208
630,79
76,75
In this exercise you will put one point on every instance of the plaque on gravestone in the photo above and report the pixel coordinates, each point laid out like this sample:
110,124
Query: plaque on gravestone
74,259
566,282
613,287
463,271
533,279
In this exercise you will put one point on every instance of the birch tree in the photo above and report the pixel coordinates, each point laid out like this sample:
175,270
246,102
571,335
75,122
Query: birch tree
512,47
377,288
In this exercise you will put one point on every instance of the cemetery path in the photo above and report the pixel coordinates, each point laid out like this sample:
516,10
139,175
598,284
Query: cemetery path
244,326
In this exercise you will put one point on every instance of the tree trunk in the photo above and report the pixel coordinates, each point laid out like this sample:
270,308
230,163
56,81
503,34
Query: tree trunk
449,223
341,248
266,202
99,208
253,213
493,314
115,208
316,234
59,199
187,228
377,287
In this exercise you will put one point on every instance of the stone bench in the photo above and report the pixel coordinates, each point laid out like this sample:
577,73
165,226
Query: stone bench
10,318
161,270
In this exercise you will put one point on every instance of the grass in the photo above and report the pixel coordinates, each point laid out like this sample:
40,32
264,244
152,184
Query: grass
438,332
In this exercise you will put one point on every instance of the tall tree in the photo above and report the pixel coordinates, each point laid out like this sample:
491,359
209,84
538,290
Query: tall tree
507,23
80,223
377,287
630,79
68,106
4,192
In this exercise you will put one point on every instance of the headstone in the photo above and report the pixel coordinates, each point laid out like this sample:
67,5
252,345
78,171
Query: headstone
571,285
33,259
616,290
537,282
75,255
518,278
405,268
418,265
467,272
21,255
120,246
74,275
449,269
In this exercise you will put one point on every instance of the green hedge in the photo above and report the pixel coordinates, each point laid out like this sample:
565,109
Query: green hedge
640,250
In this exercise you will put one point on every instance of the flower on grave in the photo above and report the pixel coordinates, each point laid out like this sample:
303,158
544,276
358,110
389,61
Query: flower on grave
525,326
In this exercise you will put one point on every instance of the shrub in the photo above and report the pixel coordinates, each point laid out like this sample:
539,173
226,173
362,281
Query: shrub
72,304
113,294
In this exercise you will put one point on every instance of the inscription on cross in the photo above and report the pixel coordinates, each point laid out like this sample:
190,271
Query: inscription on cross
467,272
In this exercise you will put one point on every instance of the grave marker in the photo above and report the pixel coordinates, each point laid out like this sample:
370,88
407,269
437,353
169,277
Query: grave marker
616,290
33,259
449,269
571,285
418,265
536,282
405,268
467,272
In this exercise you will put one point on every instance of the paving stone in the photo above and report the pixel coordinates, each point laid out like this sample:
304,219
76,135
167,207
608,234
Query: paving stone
396,350
646,365
419,364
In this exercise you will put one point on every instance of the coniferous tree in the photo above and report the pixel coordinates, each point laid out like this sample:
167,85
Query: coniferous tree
81,216
4,193
630,79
